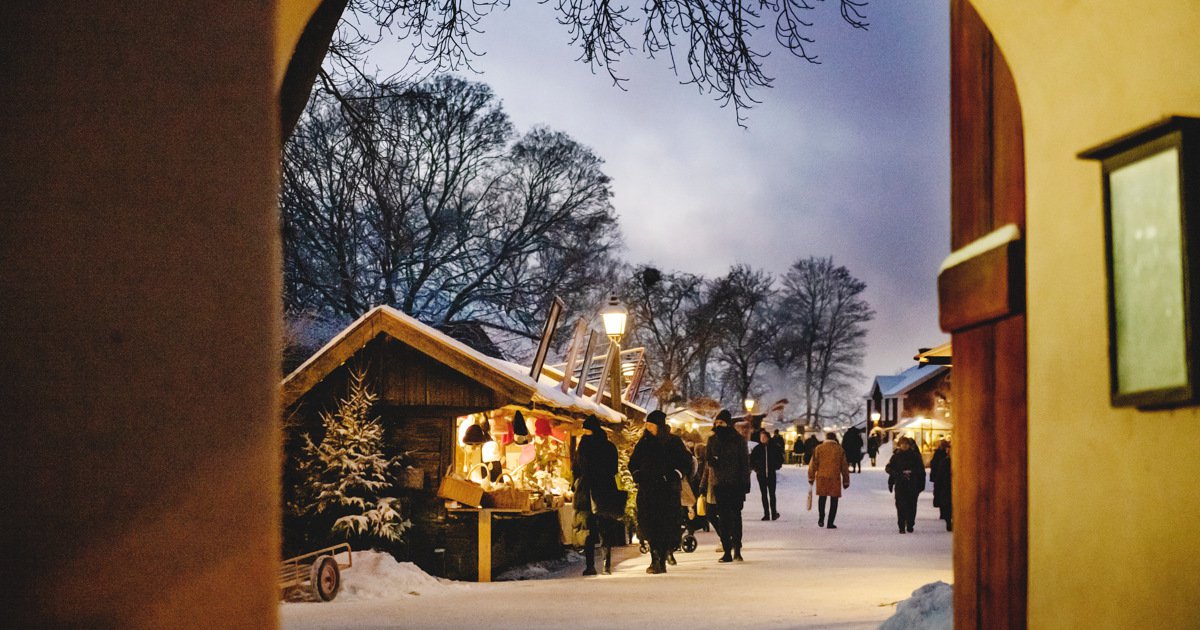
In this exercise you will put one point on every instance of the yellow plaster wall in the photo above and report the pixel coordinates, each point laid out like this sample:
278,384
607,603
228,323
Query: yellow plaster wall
1114,507
290,19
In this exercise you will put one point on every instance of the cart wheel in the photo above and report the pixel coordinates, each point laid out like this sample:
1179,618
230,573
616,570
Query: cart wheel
643,547
689,543
326,579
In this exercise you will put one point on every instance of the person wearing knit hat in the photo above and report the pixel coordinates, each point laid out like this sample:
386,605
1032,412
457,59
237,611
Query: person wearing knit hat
599,504
659,463
730,479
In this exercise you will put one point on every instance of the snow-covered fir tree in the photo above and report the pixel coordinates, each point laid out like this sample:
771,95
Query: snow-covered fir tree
347,473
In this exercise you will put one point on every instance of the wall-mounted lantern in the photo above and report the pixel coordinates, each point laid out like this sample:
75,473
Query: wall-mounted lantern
1152,253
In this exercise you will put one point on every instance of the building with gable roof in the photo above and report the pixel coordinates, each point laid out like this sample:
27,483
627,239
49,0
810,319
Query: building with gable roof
920,391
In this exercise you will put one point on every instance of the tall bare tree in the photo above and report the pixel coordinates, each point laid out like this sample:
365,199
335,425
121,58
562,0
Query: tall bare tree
742,303
665,314
430,203
824,326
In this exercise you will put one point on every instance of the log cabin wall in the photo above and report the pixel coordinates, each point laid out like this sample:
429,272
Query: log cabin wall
419,402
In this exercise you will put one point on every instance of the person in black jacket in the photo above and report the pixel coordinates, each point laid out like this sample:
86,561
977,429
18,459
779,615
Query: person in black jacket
906,477
852,443
939,474
873,447
730,478
599,504
659,463
765,459
810,445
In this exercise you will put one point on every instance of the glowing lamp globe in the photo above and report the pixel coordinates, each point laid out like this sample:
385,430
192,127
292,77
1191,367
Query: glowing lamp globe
614,315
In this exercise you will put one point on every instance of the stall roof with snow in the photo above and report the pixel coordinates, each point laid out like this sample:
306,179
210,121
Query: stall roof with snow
427,368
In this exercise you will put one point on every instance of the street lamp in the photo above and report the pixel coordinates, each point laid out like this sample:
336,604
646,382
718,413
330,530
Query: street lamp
874,419
614,315
749,402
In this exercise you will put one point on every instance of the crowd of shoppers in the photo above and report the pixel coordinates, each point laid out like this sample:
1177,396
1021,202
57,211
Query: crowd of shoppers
706,482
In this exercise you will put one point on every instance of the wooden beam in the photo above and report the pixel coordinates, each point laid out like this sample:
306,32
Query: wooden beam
984,288
982,303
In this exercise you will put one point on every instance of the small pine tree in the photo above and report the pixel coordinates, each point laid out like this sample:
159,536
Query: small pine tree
347,472
628,438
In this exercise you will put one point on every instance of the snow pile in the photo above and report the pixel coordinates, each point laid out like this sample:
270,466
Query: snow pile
571,562
377,575
931,607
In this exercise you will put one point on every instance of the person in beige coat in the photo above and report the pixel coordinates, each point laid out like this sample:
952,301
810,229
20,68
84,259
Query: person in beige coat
830,473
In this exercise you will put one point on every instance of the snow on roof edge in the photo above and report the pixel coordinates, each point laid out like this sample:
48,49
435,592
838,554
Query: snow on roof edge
550,395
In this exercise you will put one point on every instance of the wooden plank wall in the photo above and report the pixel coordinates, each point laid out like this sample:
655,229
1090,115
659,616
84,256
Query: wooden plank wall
410,378
989,385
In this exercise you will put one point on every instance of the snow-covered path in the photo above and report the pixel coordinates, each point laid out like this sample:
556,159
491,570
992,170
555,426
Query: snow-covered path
796,575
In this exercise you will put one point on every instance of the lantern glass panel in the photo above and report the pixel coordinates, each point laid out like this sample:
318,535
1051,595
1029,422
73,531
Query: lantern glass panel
1148,283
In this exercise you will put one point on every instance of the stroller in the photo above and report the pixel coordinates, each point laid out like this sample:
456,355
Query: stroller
687,533
691,523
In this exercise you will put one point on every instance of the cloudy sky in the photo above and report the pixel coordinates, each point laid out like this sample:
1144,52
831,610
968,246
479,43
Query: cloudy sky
849,158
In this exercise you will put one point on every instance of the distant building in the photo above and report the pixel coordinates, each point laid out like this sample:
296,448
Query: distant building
920,391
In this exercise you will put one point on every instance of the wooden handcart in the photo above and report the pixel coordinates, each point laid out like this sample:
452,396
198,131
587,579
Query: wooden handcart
317,574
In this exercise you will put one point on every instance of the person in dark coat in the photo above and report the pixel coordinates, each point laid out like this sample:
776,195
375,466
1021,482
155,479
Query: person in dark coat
659,463
939,474
729,466
906,477
765,459
873,447
852,443
599,504
810,445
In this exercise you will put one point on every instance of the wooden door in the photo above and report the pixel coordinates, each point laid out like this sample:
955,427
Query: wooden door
982,305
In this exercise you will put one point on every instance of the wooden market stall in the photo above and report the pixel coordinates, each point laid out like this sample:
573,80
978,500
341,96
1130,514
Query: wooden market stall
455,415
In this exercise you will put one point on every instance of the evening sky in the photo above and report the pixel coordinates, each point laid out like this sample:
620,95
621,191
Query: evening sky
848,158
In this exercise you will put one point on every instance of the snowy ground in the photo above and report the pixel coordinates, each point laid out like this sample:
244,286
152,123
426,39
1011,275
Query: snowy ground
795,576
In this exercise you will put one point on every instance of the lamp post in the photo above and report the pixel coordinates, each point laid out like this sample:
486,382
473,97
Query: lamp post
614,316
874,421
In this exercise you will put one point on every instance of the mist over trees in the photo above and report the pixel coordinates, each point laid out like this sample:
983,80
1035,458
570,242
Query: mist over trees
742,334
822,318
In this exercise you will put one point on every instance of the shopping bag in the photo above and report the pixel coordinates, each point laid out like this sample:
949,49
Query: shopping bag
810,488
701,506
